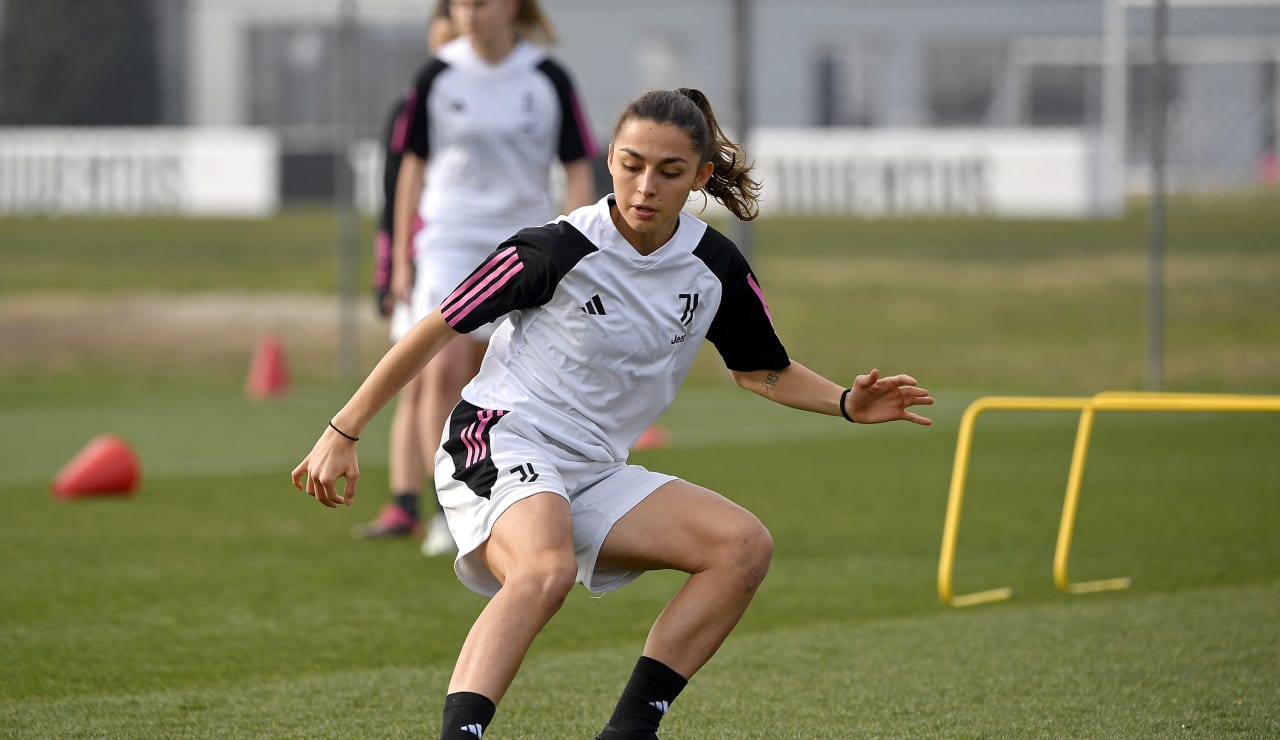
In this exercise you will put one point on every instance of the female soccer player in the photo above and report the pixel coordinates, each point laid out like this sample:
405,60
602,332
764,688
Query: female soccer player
607,308
488,114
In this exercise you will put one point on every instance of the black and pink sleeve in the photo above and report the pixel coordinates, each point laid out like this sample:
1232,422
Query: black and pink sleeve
742,330
416,138
522,272
576,141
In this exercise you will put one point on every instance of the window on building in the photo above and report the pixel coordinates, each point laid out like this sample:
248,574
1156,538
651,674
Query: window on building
1064,95
293,84
292,81
850,86
961,83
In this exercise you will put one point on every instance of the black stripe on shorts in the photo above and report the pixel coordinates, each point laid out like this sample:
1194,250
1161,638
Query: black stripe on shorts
469,446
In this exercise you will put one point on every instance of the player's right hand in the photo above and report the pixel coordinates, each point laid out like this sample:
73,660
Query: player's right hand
333,457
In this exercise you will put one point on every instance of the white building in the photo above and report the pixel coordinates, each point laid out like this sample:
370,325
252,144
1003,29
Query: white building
861,63
870,106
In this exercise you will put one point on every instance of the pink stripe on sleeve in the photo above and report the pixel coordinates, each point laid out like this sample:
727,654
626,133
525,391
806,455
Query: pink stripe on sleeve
400,132
480,274
751,280
588,141
475,300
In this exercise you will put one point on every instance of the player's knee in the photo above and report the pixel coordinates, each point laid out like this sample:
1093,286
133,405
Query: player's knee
546,579
747,550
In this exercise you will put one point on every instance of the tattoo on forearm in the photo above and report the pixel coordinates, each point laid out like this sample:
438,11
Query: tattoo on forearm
771,382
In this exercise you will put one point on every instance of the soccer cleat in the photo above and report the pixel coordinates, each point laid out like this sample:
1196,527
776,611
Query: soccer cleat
392,521
439,540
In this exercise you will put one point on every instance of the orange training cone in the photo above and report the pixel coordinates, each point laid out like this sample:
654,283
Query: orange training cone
268,372
105,467
653,438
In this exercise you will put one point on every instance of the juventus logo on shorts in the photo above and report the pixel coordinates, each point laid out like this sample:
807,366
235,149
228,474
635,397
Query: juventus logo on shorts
526,472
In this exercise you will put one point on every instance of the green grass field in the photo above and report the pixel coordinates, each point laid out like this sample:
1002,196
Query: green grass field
220,602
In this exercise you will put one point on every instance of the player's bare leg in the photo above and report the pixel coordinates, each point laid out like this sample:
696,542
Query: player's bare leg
530,552
726,552
405,460
401,518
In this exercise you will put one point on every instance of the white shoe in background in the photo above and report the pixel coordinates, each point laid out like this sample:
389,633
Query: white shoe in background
439,540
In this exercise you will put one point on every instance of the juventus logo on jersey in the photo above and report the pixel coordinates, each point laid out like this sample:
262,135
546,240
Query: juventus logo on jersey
690,305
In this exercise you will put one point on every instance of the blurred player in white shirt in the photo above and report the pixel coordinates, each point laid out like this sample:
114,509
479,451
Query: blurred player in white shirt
487,118
405,456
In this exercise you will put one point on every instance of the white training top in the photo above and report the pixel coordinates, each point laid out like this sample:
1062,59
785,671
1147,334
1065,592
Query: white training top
601,337
488,133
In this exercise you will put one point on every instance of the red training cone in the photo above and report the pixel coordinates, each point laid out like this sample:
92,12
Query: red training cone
268,372
105,467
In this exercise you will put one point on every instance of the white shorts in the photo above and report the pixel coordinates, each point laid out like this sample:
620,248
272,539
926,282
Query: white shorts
401,320
442,260
490,460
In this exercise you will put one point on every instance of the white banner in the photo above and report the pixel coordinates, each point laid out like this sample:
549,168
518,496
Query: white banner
890,172
859,172
137,171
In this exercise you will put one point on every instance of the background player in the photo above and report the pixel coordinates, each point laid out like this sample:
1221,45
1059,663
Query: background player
406,462
489,116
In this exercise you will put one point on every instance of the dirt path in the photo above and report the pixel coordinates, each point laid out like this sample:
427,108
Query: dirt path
51,333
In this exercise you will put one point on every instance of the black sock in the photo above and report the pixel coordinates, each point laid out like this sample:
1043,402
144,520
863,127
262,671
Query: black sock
646,698
408,500
466,716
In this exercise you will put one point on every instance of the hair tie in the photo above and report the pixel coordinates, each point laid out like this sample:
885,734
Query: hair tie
339,431
844,413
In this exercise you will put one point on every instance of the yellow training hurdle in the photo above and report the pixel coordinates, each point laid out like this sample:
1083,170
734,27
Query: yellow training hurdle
1088,407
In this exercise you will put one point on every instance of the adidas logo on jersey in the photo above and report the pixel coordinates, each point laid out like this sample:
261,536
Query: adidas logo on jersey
594,306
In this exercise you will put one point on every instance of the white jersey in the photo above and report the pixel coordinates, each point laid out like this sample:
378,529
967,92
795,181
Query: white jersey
601,337
488,133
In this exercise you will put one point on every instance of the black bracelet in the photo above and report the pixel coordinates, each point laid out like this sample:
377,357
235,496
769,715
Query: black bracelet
339,431
844,413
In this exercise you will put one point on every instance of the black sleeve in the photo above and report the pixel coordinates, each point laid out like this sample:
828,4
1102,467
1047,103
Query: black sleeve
522,272
742,330
393,147
390,173
419,142
575,140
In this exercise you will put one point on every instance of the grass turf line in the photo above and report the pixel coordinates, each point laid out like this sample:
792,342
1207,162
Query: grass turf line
1099,666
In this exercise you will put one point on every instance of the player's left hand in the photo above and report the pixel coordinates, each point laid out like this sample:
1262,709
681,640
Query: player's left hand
874,399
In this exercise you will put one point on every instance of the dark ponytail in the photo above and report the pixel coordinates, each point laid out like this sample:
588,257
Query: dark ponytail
690,111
